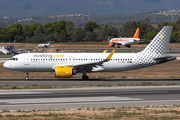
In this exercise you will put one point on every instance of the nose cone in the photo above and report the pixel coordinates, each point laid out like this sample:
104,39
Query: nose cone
5,65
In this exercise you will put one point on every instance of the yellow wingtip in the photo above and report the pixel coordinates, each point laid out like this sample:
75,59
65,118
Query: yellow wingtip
105,51
110,56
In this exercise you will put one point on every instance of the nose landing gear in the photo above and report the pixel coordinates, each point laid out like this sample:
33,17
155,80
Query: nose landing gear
27,78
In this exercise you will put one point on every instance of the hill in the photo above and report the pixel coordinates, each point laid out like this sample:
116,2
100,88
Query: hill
28,8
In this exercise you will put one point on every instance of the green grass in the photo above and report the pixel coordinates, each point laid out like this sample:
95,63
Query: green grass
124,77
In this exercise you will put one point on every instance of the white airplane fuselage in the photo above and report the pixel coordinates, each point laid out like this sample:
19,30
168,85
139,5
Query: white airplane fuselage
124,41
44,45
46,62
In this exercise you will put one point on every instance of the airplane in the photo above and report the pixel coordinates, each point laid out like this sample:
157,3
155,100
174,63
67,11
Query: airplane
65,65
44,45
124,41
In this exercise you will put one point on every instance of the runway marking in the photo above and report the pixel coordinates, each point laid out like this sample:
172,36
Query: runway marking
71,99
19,92
158,102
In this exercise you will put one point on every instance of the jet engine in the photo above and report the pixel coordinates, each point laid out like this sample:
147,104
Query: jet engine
111,44
64,72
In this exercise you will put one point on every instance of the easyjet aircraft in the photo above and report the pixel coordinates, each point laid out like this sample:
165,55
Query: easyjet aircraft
67,64
125,41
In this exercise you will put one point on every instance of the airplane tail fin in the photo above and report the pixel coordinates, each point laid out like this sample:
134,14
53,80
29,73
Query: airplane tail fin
136,35
155,52
159,45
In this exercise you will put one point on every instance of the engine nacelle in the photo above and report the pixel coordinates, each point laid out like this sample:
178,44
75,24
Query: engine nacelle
64,72
111,44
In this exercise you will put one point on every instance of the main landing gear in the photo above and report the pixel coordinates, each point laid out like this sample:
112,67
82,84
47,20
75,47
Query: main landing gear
27,78
85,77
129,46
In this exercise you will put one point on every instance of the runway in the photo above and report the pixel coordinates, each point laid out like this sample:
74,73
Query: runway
80,82
88,98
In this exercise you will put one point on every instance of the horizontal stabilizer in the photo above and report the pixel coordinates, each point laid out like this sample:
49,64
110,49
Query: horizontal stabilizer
165,58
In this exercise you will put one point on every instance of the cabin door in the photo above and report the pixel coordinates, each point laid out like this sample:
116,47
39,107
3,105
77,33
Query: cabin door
26,60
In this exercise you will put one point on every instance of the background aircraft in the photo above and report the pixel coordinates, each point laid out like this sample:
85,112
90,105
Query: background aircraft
124,41
44,45
67,64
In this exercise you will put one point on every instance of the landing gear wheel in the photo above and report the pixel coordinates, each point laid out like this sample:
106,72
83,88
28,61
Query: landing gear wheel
27,74
85,77
26,78
118,46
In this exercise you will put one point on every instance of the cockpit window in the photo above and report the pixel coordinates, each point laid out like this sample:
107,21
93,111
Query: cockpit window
14,59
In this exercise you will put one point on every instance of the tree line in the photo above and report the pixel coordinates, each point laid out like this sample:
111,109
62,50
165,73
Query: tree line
64,31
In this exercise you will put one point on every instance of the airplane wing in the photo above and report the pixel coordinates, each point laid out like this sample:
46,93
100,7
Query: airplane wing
93,64
89,65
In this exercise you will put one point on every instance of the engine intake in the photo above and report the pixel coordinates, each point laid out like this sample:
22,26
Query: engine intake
64,72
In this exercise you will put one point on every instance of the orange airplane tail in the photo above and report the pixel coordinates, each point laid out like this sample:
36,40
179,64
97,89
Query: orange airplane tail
136,35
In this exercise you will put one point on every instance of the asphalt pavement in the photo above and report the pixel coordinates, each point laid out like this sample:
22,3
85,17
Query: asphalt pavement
88,98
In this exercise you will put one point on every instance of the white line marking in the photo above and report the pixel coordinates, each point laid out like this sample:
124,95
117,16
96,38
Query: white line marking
71,99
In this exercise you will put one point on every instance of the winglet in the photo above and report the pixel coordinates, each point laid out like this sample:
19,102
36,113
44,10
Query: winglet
110,56
105,51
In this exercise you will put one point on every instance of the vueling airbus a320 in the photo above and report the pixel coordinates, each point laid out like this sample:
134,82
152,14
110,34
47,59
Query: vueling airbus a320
67,64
